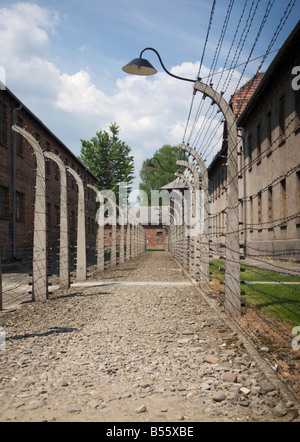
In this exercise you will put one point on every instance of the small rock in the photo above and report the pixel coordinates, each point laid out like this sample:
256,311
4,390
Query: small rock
211,359
219,396
267,387
183,341
244,403
245,391
93,404
179,418
229,377
141,409
205,386
280,410
265,349
74,410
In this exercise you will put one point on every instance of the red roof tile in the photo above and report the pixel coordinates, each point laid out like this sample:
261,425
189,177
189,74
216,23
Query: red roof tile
241,97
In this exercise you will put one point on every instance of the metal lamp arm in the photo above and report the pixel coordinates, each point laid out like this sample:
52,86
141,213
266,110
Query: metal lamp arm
163,66
170,171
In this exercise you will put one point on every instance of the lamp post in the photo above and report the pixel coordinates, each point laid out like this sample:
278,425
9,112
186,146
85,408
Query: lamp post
141,66
151,166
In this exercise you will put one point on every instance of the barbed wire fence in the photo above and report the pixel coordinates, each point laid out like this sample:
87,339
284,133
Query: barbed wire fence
267,288
55,258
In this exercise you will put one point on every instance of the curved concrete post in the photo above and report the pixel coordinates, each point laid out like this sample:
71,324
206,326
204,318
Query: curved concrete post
204,235
185,179
40,283
121,224
232,267
81,237
100,221
196,217
187,258
180,230
133,239
128,241
64,265
113,252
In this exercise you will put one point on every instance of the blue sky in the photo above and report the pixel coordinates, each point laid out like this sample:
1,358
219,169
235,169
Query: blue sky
64,58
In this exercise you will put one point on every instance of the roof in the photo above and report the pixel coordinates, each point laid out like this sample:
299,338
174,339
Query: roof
242,96
282,58
33,116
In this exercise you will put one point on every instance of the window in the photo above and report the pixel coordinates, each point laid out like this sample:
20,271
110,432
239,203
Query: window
282,118
3,201
48,214
57,214
269,131
159,234
270,207
283,199
258,141
73,220
251,214
259,212
3,124
249,148
20,206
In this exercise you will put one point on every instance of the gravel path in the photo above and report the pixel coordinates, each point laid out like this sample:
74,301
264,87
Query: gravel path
131,352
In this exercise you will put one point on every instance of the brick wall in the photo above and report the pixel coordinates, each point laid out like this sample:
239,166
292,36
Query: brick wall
155,237
25,182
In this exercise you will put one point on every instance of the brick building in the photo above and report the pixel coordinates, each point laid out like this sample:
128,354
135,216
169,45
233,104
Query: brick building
268,116
17,183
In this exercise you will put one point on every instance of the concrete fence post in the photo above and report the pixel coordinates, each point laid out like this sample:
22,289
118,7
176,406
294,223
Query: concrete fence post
40,283
113,251
195,230
64,264
204,235
81,234
122,245
128,241
100,221
232,266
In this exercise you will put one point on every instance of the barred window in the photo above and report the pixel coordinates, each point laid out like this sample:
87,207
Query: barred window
20,206
282,118
3,201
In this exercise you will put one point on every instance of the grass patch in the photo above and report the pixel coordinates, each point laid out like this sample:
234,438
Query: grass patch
282,302
250,273
278,300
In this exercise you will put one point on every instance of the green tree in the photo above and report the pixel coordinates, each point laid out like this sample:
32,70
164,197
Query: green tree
109,159
151,180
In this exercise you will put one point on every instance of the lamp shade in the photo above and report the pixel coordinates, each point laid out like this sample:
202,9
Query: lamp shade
149,166
139,66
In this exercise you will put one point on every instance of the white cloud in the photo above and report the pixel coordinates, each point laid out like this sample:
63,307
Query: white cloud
22,30
150,112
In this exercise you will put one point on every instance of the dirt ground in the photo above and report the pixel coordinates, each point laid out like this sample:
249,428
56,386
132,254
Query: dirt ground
138,344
